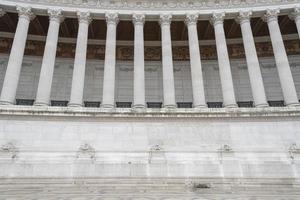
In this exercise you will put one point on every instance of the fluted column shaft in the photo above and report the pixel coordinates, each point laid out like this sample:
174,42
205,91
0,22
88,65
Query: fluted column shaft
77,87
195,60
282,63
223,61
256,81
108,98
12,75
46,74
167,62
139,63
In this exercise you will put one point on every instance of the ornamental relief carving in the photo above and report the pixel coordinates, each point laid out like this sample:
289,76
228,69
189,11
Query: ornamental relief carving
153,53
158,4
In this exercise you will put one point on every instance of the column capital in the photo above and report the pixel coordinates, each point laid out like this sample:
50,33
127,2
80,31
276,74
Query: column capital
112,18
2,12
84,17
25,12
244,16
165,19
138,19
217,18
55,15
271,15
295,15
191,19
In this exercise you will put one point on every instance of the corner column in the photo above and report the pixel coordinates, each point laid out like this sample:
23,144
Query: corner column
46,75
282,63
256,81
77,88
12,75
167,62
139,63
223,61
195,59
108,98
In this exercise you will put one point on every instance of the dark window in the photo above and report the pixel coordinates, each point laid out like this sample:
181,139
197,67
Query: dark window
92,104
25,102
276,103
59,103
184,104
215,104
245,104
154,104
124,104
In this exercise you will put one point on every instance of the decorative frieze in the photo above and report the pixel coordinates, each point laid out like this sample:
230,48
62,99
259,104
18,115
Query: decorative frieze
180,53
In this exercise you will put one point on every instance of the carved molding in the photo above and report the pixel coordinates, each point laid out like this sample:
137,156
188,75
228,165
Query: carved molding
296,14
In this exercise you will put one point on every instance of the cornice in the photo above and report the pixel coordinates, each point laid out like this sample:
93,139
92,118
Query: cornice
154,8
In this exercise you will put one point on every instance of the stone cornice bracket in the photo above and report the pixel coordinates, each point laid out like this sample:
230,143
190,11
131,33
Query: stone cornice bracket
296,14
112,18
244,16
271,15
217,18
138,19
165,19
25,12
2,12
84,17
191,19
55,15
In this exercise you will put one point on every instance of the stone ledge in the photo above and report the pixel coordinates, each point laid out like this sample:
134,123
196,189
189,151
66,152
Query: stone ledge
14,110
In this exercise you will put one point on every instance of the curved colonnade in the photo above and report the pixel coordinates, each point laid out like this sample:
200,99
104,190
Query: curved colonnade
26,11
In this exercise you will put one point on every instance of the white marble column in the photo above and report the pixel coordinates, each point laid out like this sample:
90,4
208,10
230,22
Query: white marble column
256,81
76,98
167,62
108,96
223,60
296,17
195,60
282,63
46,74
139,63
12,75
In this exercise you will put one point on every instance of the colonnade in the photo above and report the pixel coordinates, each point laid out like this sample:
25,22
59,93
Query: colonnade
12,75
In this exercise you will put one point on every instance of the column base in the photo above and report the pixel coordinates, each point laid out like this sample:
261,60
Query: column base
139,107
107,106
231,106
295,104
200,106
262,105
170,106
3,102
40,104
77,105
